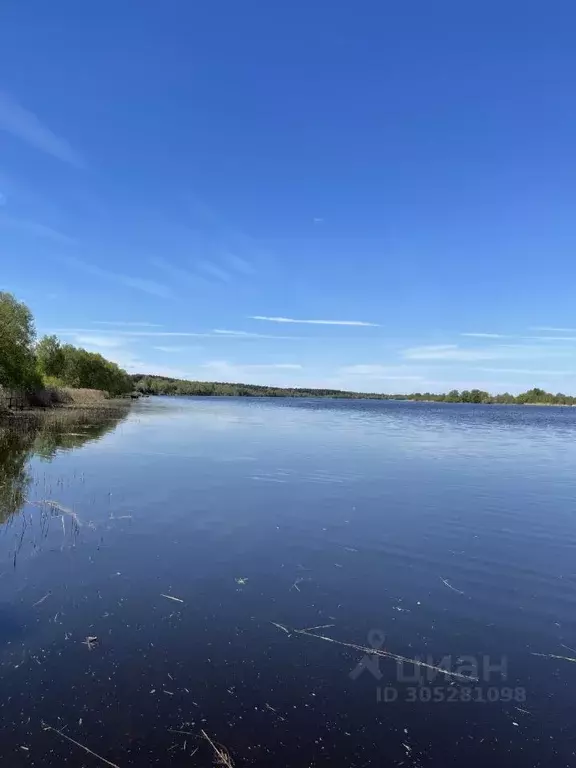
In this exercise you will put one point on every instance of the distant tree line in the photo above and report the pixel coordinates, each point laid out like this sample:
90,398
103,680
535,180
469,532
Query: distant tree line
28,366
160,385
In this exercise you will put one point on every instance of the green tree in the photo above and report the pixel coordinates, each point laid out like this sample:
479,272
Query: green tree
478,396
83,369
17,334
51,357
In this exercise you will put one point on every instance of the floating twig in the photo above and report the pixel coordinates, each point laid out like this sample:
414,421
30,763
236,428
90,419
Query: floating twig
568,648
281,626
320,626
275,711
220,752
38,602
171,597
387,655
77,743
555,656
447,583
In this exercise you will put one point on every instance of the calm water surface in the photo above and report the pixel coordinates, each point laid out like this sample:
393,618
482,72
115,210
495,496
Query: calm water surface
194,536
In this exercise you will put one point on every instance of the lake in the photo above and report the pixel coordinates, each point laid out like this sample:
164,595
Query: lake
267,570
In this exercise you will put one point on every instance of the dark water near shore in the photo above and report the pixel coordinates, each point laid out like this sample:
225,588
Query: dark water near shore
438,532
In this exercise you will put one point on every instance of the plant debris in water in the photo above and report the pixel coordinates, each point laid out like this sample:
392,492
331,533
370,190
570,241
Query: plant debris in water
46,727
221,754
378,652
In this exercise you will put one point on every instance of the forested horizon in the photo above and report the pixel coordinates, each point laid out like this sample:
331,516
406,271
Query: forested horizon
151,384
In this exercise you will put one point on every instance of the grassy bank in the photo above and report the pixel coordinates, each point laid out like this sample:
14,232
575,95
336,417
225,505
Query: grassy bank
50,405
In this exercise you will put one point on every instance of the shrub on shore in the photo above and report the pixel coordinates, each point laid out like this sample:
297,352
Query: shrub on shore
30,370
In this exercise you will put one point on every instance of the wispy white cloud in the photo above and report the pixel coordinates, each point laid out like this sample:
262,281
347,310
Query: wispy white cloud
206,272
273,374
130,363
551,338
249,335
213,270
127,323
453,352
380,372
135,365
159,334
107,342
178,273
138,283
225,365
233,333
24,125
232,247
431,352
238,264
36,229
135,334
489,335
141,284
176,349
527,371
552,330
313,322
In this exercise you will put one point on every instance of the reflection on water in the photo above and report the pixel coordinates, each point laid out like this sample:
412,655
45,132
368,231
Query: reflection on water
44,436
15,450
157,573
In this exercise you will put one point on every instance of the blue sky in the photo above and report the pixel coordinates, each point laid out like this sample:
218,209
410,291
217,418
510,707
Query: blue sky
179,180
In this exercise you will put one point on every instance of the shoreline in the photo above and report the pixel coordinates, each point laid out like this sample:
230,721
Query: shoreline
356,399
101,409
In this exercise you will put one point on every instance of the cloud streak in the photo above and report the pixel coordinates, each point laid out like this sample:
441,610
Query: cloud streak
527,372
24,125
138,283
488,335
130,323
249,335
455,353
175,349
553,330
214,271
356,323
106,342
394,373
179,274
551,338
238,264
224,365
36,229
451,352
160,334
